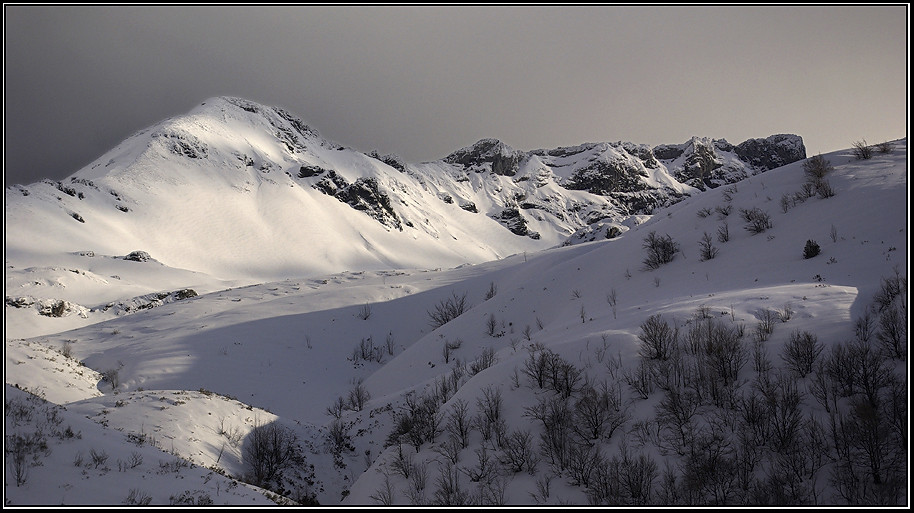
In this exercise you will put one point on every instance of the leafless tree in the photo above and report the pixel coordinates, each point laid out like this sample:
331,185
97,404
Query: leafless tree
448,309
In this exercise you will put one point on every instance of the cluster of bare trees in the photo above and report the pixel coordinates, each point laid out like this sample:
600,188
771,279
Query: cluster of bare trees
827,426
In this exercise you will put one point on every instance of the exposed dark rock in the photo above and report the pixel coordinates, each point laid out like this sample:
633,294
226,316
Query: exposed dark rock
512,219
501,159
297,123
66,190
245,159
20,302
242,103
469,206
668,151
138,256
184,144
771,152
148,301
363,194
78,217
644,153
309,171
604,177
391,160
700,165
331,183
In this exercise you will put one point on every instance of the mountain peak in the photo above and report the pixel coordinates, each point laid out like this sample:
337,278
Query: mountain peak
500,158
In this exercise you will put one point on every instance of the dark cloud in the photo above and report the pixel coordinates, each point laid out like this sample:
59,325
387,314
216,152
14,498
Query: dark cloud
424,81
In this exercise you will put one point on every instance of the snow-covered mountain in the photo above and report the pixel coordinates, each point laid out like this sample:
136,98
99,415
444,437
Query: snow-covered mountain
459,360
241,193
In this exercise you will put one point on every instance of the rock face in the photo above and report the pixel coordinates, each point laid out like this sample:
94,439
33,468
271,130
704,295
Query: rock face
771,152
705,163
363,194
148,301
138,256
488,155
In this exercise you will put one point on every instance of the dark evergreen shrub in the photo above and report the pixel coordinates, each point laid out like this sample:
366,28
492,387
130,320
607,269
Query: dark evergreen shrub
811,249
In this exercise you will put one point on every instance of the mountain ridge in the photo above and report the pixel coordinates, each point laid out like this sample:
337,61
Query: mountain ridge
542,194
259,195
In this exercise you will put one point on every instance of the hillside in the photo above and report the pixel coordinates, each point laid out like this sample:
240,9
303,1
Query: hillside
555,384
237,193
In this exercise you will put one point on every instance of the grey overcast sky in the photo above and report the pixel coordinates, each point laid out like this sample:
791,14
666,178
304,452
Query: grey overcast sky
421,82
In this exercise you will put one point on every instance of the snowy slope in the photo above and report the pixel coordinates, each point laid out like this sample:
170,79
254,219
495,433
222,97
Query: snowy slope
197,375
237,193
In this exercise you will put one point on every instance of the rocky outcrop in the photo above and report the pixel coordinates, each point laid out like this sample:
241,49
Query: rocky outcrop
771,152
363,194
148,301
138,256
488,155
393,161
182,143
514,221
706,163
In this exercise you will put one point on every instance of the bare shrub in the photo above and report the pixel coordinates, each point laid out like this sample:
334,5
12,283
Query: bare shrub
493,289
448,309
640,379
786,203
189,498
418,421
612,299
98,457
817,167
862,151
449,347
490,409
459,425
723,233
787,313
137,498
485,360
518,454
758,220
598,413
824,188
384,495
402,463
801,352
338,436
112,376
889,289
491,325
22,452
658,339
449,491
765,326
660,250
268,450
893,331
706,247
358,396
885,147
336,409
